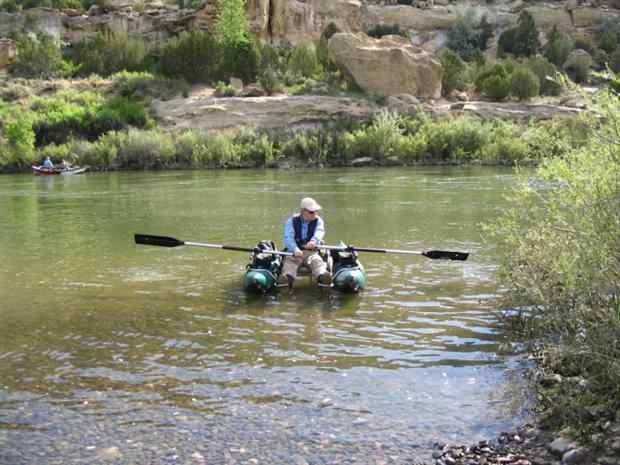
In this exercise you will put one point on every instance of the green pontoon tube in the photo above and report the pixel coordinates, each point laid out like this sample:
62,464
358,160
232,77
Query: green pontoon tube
262,272
348,274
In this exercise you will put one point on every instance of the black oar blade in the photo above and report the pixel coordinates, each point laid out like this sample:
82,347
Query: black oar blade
446,255
162,241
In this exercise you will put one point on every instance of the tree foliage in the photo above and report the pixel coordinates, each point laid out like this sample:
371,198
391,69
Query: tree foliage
522,39
194,55
111,53
231,24
39,55
561,267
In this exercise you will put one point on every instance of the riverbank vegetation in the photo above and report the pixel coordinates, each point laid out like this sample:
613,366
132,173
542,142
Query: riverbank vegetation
109,125
561,272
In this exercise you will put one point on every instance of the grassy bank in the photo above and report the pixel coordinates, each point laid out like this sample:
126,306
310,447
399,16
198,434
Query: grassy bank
109,125
561,273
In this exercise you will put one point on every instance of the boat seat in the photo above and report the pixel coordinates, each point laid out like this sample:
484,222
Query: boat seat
303,270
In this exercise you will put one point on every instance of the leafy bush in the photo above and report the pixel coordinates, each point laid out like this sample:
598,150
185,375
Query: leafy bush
486,71
486,32
241,60
14,92
224,90
193,55
269,82
557,48
608,42
522,39
303,61
497,88
38,55
546,74
524,84
270,58
381,30
111,53
18,138
463,38
561,271
453,69
614,61
579,69
143,149
584,43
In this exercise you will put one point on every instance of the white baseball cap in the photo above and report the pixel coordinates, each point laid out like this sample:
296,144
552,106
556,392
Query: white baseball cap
309,204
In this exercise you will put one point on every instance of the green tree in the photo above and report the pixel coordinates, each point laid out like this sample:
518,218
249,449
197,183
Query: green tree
453,69
557,48
608,42
193,55
111,53
39,55
303,61
546,73
496,87
241,60
231,24
522,39
560,266
486,32
322,54
523,83
527,35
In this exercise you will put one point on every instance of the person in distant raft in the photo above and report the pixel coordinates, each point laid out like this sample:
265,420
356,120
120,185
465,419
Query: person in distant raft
303,232
47,163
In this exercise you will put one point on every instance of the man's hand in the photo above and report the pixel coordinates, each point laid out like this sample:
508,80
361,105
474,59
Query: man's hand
298,253
310,245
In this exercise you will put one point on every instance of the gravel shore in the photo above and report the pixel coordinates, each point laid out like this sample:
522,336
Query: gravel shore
531,445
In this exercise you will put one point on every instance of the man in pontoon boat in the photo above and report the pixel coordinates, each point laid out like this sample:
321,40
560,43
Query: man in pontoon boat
303,232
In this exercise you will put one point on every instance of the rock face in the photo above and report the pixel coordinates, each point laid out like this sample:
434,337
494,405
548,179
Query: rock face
288,22
269,113
8,50
387,66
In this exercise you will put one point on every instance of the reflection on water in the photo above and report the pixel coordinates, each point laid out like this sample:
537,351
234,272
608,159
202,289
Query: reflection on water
111,351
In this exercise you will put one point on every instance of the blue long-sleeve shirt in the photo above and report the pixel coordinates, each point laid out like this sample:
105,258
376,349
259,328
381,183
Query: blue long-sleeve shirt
289,232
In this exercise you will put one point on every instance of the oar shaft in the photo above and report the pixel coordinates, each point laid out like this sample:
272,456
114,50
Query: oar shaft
433,254
165,241
365,249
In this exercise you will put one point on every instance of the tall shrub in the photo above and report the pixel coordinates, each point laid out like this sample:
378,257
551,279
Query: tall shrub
523,83
560,268
453,69
39,56
522,39
193,55
110,53
303,61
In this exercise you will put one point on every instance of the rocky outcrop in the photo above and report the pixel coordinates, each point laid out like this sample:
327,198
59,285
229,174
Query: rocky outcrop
288,22
8,50
387,66
292,113
269,113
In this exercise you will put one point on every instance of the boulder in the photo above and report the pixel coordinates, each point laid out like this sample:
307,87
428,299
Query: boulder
8,51
386,66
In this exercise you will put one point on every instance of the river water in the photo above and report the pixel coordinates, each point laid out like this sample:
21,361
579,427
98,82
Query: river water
113,352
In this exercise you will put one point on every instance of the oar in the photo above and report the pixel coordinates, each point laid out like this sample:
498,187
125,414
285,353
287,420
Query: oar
434,254
164,241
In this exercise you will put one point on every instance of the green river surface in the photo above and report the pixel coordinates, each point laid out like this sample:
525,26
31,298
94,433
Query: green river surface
113,352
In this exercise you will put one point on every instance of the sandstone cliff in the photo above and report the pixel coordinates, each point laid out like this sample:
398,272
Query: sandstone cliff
288,22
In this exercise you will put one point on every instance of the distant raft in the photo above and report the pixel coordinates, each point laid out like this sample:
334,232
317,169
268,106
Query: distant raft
41,171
